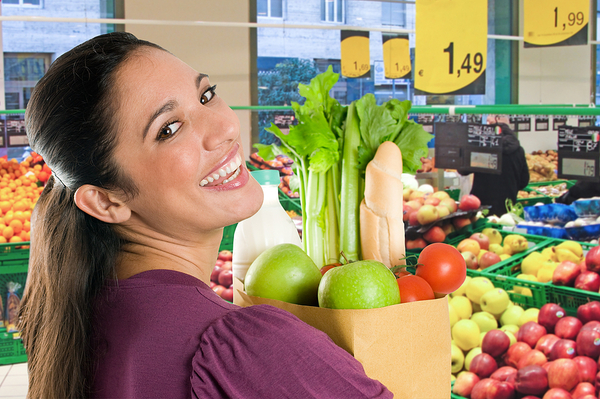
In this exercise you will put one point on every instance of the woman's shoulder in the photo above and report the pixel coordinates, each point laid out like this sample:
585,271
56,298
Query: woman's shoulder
264,352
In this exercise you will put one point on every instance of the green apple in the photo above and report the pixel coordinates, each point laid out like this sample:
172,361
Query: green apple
496,248
477,287
458,358
513,328
511,315
511,337
530,314
285,273
485,320
463,307
454,317
493,234
494,301
470,355
461,291
452,378
364,284
465,334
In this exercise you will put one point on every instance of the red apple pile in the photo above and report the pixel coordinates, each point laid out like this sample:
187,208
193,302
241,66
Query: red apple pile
556,357
221,278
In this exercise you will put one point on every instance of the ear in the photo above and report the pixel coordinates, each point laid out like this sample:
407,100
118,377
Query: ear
101,204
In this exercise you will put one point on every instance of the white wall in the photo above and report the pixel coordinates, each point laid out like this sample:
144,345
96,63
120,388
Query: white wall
221,52
552,75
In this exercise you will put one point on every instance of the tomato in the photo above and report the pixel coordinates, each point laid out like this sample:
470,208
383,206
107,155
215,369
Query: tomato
329,266
414,288
443,267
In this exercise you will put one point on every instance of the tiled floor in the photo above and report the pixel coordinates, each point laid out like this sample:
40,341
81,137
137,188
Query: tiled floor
13,381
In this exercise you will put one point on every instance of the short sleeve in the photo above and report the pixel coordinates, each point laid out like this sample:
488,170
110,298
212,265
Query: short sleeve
263,352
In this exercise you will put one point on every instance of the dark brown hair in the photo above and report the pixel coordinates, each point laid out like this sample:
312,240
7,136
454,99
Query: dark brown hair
70,122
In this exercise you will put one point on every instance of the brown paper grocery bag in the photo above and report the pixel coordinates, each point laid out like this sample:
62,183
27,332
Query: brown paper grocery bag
406,347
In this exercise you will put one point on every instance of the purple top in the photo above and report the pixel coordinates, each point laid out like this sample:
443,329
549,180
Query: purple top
165,334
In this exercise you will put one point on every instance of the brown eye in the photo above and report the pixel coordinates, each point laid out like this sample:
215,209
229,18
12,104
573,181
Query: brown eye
168,130
208,95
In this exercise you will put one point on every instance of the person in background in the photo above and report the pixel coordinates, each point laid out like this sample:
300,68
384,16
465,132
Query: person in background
147,169
493,189
581,189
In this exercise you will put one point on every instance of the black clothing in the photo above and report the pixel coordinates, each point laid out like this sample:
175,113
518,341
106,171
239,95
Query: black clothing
581,189
494,189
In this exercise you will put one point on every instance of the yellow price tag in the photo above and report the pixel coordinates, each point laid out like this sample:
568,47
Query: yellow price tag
396,55
555,22
451,46
356,57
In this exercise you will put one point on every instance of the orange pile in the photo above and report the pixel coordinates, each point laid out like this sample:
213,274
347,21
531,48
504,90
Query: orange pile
19,191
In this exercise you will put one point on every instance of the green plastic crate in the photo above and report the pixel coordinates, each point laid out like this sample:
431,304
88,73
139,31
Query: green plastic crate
227,240
541,198
11,348
454,193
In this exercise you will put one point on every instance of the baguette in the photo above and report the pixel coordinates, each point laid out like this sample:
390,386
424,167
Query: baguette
381,225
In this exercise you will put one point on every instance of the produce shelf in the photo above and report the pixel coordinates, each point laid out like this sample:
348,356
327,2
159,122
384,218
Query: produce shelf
14,264
529,201
11,348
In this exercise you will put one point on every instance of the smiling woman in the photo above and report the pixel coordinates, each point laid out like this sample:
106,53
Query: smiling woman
148,169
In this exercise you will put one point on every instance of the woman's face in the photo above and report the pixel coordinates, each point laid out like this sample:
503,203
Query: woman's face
180,143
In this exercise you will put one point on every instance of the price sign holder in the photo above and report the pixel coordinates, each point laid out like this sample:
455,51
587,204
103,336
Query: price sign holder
542,123
451,47
356,57
471,147
550,23
15,131
578,153
396,56
586,120
426,120
558,121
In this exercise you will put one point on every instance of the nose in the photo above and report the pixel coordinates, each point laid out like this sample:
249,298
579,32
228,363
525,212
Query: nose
217,125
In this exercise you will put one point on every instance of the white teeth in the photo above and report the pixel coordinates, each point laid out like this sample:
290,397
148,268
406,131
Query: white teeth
228,169
233,176
222,172
210,179
216,176
204,182
234,165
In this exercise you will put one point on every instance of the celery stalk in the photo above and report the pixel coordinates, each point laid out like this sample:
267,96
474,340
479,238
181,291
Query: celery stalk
350,194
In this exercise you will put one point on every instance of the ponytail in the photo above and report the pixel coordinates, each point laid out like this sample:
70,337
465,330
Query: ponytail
75,253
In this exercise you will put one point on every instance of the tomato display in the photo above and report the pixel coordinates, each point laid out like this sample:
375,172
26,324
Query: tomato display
443,267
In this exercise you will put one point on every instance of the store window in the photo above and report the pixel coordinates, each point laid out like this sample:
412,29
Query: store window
270,8
332,11
21,73
23,3
393,14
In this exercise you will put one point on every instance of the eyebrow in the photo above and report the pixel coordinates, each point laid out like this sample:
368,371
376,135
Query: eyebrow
169,106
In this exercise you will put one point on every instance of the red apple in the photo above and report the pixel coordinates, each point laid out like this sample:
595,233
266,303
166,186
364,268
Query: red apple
495,343
214,275
464,384
589,311
219,262
227,265
505,373
412,219
582,389
218,289
501,390
568,327
534,356
460,222
406,211
483,365
587,368
591,325
530,333
549,315
565,273
563,349
557,393
588,343
480,390
225,255
592,259
226,278
489,259
227,294
450,204
434,234
469,202
325,268
482,239
546,343
597,382
414,204
416,243
212,284
563,373
470,260
515,353
588,281
431,201
531,380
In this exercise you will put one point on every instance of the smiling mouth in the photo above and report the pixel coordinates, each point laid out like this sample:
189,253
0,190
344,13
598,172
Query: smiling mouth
223,175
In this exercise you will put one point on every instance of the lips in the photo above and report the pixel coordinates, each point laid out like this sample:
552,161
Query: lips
227,171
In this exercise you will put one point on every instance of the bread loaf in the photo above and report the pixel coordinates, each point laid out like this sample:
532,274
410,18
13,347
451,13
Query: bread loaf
381,225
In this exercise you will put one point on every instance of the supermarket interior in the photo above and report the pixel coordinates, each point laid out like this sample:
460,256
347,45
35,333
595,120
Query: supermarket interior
430,175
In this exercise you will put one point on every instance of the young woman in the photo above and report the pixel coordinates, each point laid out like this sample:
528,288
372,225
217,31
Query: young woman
147,170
